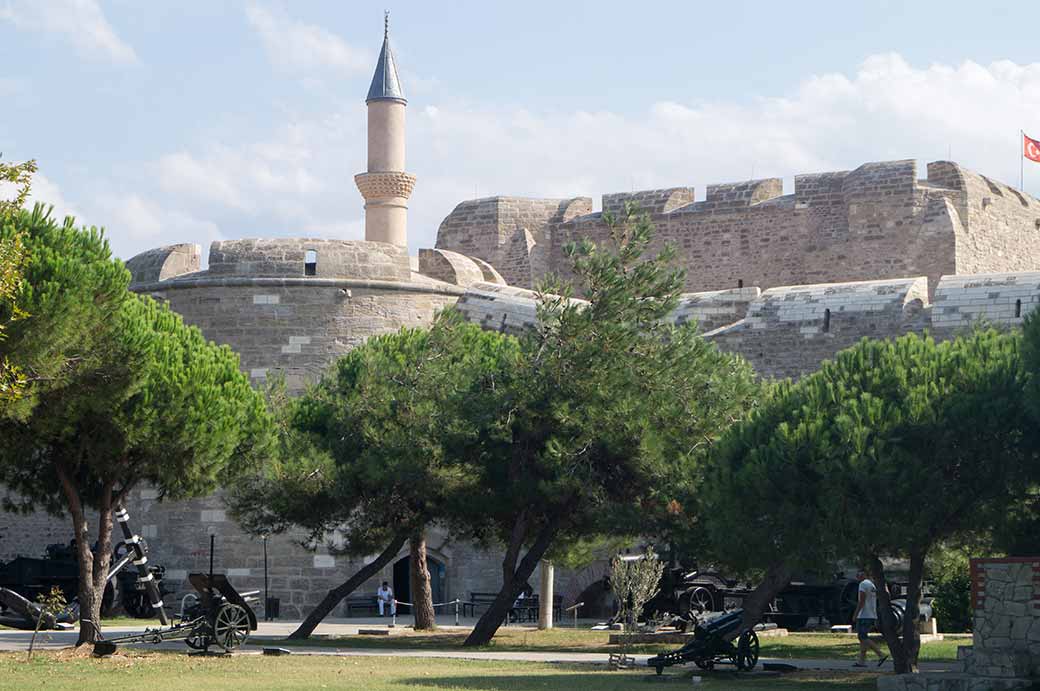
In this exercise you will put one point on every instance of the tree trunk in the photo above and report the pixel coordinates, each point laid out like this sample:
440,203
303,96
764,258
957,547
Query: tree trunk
89,601
886,619
336,595
776,578
514,580
422,595
911,632
95,575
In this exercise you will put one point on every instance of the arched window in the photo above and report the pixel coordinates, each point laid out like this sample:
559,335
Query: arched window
826,320
310,263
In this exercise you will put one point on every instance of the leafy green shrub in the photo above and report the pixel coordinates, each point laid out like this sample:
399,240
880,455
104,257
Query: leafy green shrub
952,602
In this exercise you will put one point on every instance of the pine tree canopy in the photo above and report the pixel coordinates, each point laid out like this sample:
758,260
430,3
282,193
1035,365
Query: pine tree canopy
887,449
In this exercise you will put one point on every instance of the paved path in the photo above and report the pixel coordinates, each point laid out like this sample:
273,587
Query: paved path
270,635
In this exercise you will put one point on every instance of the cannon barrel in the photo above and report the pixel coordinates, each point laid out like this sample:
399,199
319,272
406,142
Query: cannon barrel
726,626
140,560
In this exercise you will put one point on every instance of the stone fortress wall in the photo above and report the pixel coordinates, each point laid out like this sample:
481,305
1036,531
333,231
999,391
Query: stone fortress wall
290,307
875,222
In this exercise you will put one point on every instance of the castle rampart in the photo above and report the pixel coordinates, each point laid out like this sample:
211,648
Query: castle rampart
289,307
878,221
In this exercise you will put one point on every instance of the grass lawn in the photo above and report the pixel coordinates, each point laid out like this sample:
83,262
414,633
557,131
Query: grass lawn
178,671
571,640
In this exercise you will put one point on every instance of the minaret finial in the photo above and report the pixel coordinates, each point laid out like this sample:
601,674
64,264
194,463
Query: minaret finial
386,24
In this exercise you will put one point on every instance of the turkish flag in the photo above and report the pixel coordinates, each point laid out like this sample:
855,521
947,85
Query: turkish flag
1031,148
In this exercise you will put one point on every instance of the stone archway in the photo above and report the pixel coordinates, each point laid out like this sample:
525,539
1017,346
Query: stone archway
402,582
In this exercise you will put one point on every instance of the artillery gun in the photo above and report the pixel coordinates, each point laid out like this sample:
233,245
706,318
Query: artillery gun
712,643
691,593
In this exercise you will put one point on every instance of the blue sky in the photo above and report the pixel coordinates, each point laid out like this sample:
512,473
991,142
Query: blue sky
192,121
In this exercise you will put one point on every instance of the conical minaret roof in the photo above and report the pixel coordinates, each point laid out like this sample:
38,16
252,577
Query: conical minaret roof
386,85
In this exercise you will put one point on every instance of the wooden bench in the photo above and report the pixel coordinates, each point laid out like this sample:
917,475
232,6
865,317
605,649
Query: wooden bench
362,602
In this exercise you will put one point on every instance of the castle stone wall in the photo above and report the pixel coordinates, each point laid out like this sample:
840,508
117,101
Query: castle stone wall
878,221
510,233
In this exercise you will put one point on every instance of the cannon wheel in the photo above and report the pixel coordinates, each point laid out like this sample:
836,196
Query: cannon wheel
230,626
701,600
747,651
707,663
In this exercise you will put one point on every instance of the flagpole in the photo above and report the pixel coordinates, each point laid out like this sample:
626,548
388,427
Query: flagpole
1021,161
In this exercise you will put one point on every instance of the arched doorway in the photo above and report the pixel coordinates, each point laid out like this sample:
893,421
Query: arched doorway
403,581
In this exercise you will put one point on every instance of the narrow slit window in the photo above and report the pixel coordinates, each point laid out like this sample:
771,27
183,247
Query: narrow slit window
310,263
740,283
826,320
1018,309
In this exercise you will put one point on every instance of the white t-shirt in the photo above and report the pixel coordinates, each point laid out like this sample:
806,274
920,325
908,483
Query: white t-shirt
869,610
384,594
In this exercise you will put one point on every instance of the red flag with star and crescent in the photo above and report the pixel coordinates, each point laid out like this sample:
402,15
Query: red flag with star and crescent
1031,148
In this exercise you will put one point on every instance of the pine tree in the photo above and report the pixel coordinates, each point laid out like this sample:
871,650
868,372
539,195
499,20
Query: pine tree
381,447
122,393
610,406
889,449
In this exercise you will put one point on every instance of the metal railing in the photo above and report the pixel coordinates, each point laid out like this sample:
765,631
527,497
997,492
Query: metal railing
574,608
455,602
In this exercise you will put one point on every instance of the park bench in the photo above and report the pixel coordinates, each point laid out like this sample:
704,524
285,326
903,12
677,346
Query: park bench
362,602
478,600
527,611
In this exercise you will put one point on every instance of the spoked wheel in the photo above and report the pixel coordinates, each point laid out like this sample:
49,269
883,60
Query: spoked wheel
701,600
747,651
230,626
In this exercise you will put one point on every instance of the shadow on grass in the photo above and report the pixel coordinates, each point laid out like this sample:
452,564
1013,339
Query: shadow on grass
453,641
581,678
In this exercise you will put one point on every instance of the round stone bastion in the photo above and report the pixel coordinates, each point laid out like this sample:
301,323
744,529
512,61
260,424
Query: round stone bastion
292,306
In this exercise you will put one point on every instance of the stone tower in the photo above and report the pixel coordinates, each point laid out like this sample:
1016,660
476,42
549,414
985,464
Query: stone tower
385,186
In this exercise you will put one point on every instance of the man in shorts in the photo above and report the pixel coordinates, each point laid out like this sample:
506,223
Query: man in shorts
865,618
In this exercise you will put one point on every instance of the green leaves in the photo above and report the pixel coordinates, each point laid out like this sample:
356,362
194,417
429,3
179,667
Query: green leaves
121,391
388,440
887,448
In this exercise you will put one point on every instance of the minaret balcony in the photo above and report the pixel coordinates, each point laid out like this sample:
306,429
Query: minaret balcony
381,185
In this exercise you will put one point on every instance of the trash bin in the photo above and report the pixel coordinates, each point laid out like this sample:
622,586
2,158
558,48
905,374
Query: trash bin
271,608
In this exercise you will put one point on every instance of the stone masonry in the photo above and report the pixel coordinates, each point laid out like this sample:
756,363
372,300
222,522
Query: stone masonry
875,222
1005,653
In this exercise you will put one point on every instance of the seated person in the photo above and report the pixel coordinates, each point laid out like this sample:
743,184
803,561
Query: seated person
385,599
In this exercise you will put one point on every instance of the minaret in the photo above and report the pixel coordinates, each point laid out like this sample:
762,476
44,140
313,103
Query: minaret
386,187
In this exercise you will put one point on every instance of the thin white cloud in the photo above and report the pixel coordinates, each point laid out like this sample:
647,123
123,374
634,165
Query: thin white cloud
46,191
298,180
80,21
297,47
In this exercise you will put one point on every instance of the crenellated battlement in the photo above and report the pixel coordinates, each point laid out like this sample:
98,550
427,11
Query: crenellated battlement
877,221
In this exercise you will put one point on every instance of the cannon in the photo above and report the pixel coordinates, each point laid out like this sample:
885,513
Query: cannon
219,616
715,641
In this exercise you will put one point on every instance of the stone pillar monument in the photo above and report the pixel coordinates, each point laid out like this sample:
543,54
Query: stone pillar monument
385,186
545,597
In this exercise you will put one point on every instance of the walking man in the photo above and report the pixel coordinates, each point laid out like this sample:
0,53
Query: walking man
865,618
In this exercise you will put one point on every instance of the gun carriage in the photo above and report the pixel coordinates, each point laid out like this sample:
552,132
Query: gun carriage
218,616
715,641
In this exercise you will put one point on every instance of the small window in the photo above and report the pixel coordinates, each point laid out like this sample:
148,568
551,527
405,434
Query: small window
826,320
740,283
310,263
1018,309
